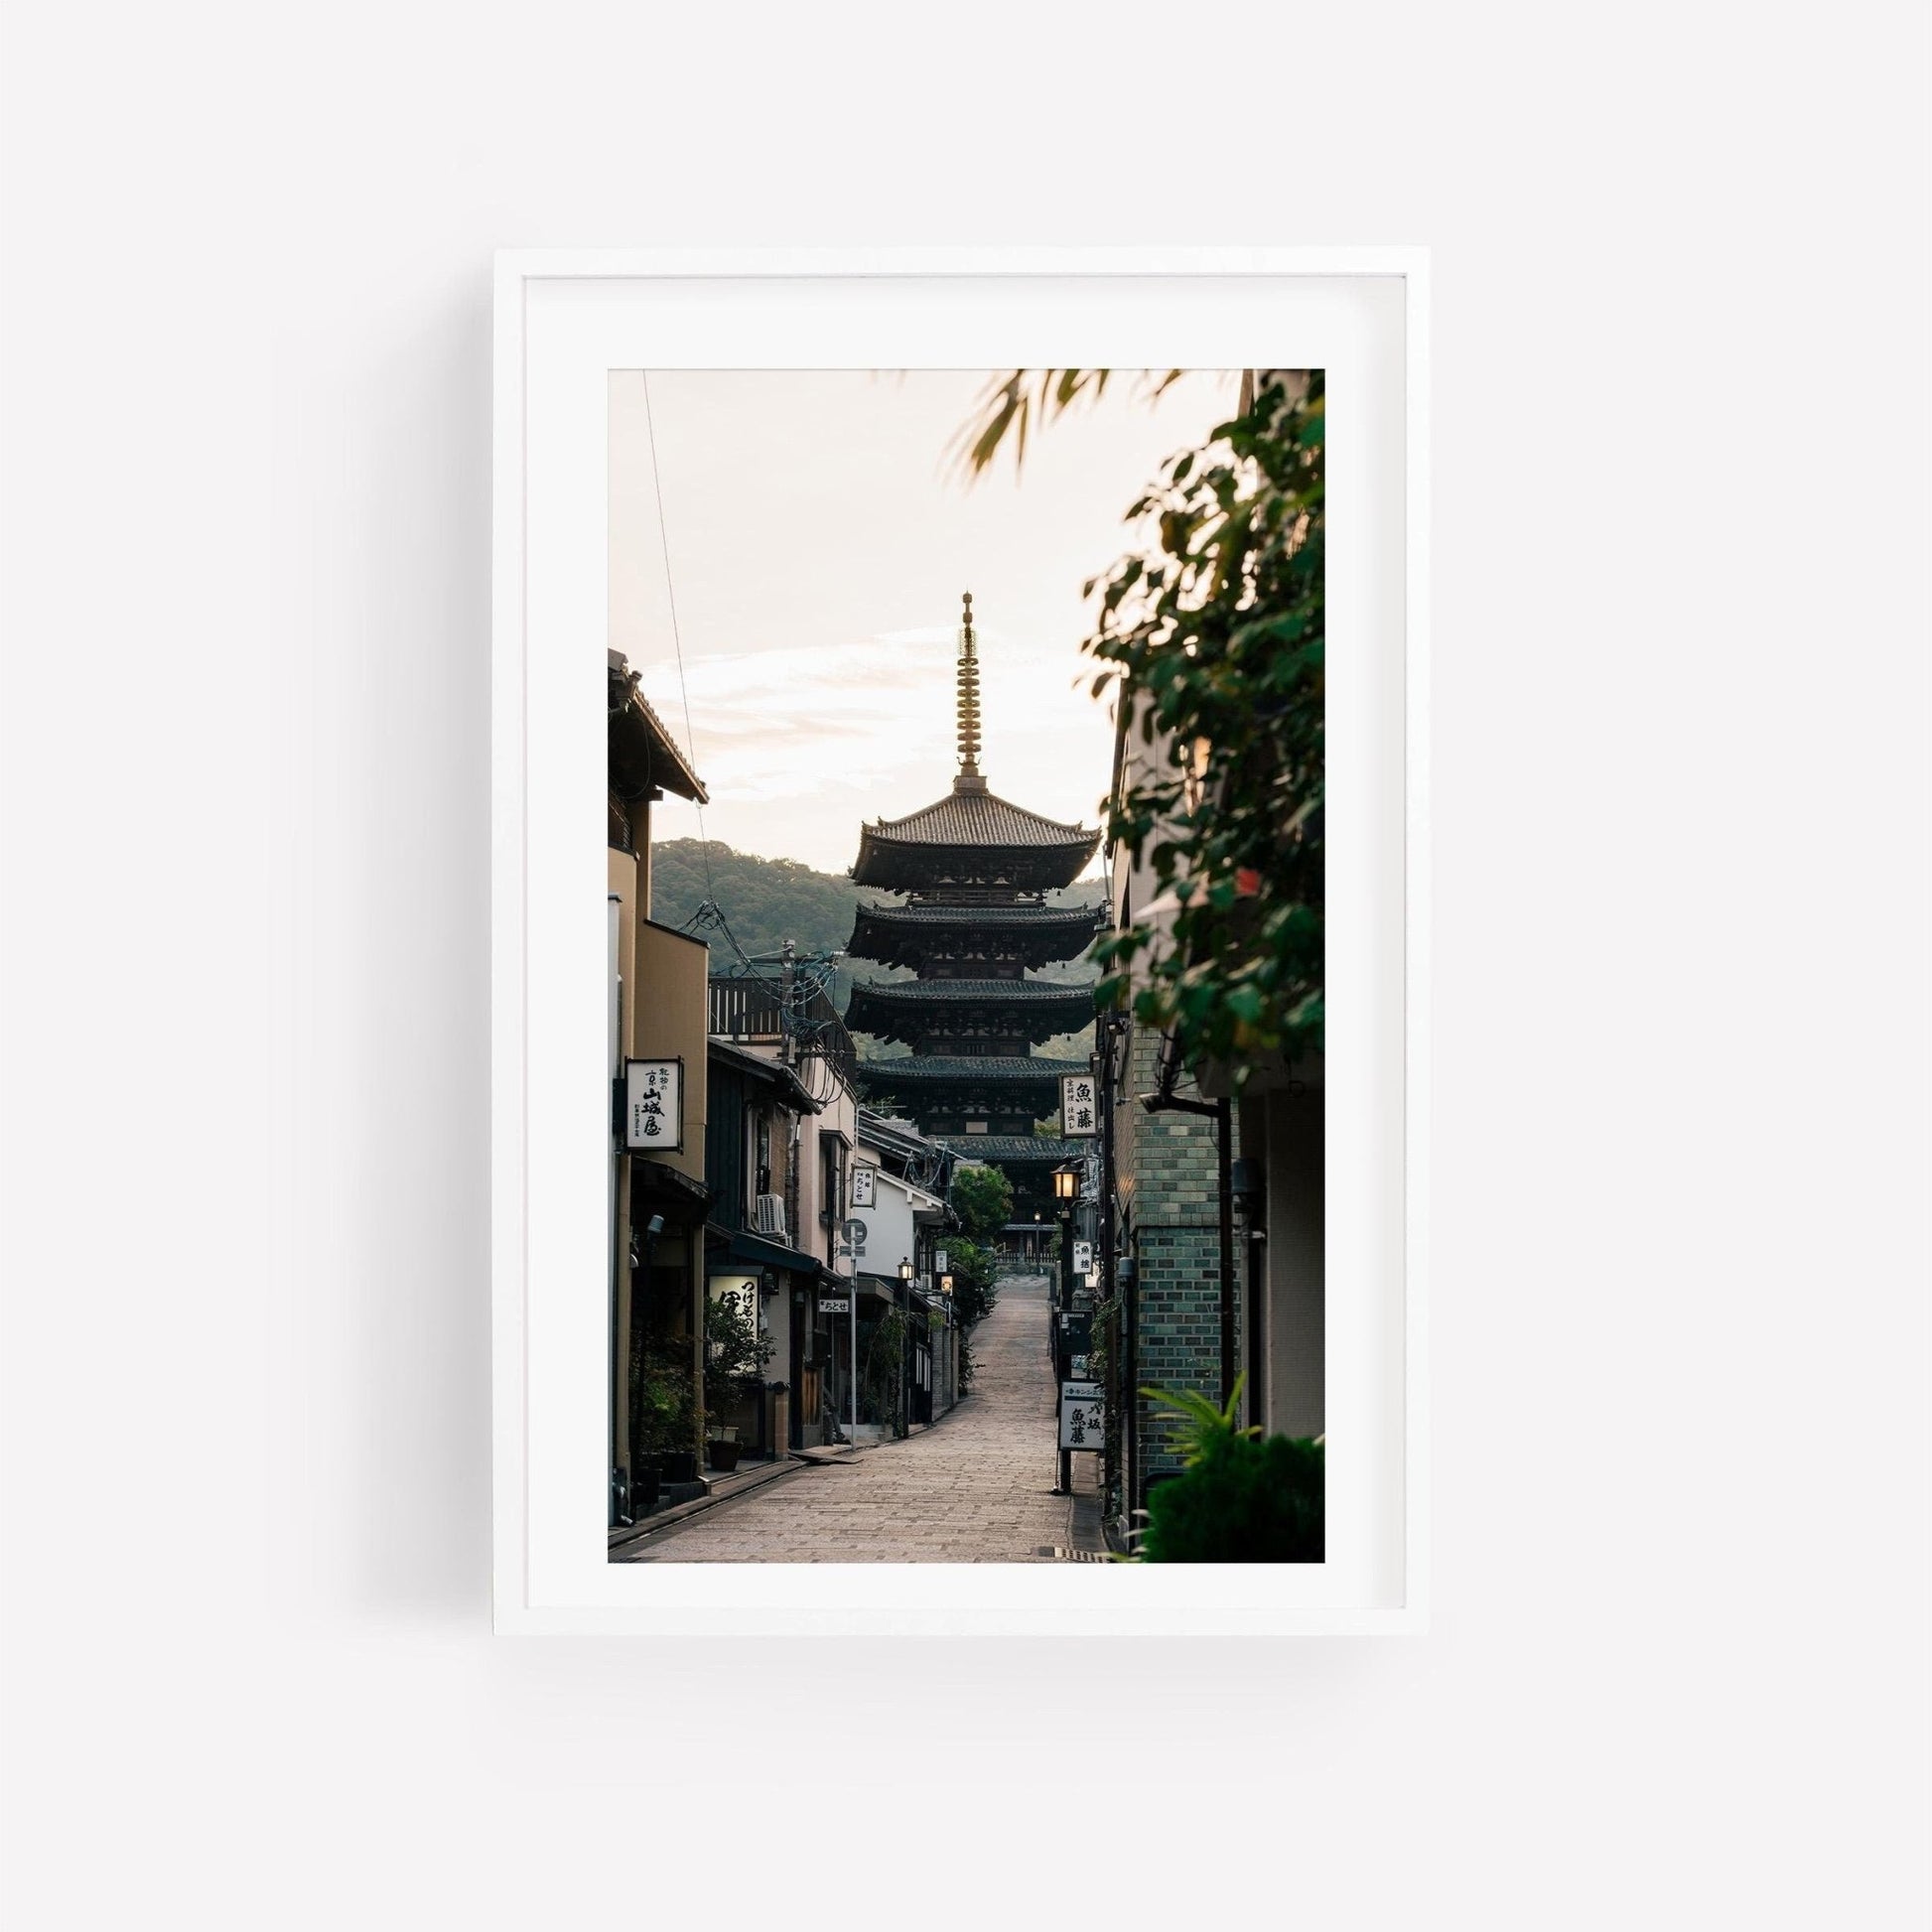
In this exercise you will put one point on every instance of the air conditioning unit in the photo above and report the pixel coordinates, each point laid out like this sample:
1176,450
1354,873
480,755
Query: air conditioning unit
768,1217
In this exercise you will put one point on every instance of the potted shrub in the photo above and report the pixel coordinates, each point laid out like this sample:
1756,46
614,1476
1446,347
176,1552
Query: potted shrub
735,1353
1242,1496
665,1412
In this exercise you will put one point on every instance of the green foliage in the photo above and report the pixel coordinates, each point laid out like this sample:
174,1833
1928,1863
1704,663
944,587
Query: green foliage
1241,1498
1216,639
1215,634
883,1376
973,1266
766,902
982,1197
1026,401
663,1395
1201,1423
733,1352
1103,1367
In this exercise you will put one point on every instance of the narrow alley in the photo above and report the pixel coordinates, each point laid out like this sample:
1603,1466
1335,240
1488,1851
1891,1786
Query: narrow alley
976,1487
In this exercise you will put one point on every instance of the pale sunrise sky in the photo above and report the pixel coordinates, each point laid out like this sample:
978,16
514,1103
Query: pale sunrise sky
819,542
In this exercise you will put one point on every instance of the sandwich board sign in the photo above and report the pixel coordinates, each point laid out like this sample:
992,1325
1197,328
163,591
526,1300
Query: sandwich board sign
1083,1416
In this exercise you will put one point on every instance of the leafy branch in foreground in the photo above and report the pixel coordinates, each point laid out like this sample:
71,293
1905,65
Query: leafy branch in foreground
1215,639
1026,400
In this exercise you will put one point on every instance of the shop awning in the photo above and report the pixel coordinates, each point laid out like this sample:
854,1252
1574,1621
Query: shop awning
756,1252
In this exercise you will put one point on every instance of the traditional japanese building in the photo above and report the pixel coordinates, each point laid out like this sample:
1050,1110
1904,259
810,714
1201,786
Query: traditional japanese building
974,871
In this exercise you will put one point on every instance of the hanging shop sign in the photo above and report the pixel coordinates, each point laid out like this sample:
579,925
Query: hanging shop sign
835,1305
1079,1115
739,1292
653,1106
1083,1258
1083,1416
939,1262
861,1186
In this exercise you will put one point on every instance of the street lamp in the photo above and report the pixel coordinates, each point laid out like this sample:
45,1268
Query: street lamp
1066,1191
906,1296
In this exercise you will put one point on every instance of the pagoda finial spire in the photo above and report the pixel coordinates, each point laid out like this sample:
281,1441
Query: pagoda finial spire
969,778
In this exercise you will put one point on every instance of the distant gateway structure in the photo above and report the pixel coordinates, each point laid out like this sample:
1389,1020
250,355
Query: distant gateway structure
975,869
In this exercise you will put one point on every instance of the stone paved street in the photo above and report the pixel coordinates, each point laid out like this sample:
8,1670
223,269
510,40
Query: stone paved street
976,1487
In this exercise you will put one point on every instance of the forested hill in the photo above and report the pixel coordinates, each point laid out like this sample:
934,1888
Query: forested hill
769,901
766,900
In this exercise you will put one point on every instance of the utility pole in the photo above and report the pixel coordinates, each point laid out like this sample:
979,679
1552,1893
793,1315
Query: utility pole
788,1035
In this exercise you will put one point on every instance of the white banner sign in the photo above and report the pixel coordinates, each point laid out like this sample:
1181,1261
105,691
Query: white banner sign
1079,1114
740,1292
653,1106
861,1186
1083,1416
1083,1258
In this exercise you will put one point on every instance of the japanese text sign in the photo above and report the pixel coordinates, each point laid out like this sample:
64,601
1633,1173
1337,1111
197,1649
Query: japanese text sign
653,1106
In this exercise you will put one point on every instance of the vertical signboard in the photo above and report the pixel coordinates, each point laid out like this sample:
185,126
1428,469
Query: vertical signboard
653,1106
1083,1416
861,1186
1079,1116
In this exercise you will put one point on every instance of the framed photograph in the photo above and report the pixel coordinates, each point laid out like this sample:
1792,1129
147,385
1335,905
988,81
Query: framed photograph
1012,964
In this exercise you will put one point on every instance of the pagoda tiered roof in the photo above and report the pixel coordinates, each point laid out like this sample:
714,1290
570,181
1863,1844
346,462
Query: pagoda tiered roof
972,836
949,1070
903,935
1034,1009
1015,1150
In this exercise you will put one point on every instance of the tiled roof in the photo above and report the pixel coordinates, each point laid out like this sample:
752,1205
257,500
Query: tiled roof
968,817
1007,1068
932,992
1014,1148
767,1072
642,740
1018,917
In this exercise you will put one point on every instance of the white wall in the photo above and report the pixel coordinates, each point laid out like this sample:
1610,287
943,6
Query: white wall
891,1229
1678,1675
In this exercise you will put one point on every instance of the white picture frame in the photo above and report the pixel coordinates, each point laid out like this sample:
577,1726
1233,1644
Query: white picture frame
563,320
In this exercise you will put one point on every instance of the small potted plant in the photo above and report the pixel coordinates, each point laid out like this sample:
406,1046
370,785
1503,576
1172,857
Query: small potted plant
723,1450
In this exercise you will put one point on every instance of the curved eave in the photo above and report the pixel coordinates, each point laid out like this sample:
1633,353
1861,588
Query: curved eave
1013,1149
1026,1008
999,1070
1037,941
912,865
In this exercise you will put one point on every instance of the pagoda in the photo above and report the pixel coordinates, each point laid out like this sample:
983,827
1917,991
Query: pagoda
975,871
